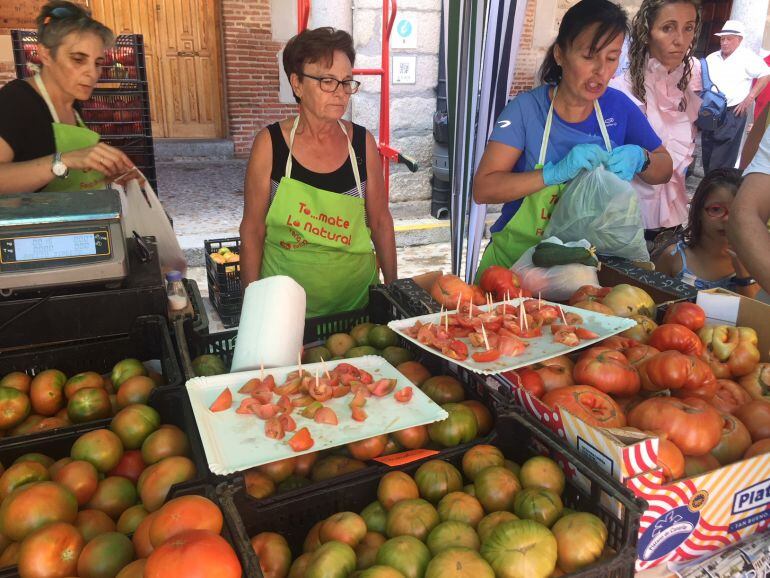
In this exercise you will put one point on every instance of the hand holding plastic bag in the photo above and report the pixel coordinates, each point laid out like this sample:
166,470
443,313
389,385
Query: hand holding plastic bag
603,209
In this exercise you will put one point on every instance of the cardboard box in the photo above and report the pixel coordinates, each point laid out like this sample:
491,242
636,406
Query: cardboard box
688,518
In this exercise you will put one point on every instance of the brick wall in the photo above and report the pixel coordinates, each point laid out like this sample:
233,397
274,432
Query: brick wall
251,71
529,58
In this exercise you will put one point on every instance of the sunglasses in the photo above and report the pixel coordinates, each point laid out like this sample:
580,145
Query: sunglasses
717,211
59,13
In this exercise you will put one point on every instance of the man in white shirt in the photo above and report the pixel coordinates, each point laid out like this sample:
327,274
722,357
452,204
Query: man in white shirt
749,216
732,70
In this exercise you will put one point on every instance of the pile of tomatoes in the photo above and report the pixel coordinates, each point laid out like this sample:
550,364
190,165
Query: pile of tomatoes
51,400
73,516
485,517
700,388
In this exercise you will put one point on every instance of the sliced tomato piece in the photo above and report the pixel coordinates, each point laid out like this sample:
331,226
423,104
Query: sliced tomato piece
359,414
301,440
584,333
246,405
262,396
320,390
290,387
359,399
274,429
265,411
573,318
326,415
249,386
382,387
458,331
403,395
567,338
456,350
287,422
223,401
284,404
302,401
366,377
556,327
340,391
312,409
486,356
532,332
345,368
511,346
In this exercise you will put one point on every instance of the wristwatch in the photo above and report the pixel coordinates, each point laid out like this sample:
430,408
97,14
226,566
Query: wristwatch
58,167
646,161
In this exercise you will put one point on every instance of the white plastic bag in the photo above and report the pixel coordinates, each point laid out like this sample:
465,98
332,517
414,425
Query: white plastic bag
603,209
143,213
556,283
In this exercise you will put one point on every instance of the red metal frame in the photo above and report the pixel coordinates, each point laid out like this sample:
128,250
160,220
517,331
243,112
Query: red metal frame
389,11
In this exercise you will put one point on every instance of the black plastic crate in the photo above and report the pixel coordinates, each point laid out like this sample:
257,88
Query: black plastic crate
413,298
149,339
225,277
57,444
199,319
519,438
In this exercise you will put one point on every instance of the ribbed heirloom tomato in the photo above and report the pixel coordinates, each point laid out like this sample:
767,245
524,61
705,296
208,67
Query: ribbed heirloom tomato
594,407
607,371
677,337
691,423
690,315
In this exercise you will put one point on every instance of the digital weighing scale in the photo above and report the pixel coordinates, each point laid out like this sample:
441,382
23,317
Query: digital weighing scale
61,239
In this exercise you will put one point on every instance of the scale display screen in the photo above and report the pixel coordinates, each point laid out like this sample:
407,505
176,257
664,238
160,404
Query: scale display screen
54,247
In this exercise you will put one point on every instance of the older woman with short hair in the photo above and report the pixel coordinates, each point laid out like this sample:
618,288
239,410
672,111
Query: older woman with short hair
315,205
44,144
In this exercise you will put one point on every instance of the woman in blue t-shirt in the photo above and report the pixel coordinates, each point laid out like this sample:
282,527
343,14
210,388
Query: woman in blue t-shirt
546,136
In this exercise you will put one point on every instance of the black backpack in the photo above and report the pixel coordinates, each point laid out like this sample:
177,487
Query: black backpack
714,106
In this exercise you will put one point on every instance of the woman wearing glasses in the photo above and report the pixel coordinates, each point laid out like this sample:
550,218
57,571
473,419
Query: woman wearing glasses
44,145
315,204
703,257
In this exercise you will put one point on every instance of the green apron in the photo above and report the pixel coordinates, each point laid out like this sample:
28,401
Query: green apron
320,239
69,138
526,227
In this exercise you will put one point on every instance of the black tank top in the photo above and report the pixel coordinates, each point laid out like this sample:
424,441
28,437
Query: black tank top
340,181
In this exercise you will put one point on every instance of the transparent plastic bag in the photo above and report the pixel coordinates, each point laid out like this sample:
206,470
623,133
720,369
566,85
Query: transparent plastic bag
556,283
603,209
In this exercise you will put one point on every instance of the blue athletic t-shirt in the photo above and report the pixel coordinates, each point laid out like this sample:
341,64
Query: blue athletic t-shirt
522,123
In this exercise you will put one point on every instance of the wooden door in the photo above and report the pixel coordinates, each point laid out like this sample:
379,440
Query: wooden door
714,13
183,61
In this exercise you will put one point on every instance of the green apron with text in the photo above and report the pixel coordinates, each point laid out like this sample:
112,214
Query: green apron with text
320,239
526,227
68,138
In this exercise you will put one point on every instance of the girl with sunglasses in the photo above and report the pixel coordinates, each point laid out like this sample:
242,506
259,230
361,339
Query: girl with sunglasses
44,144
703,257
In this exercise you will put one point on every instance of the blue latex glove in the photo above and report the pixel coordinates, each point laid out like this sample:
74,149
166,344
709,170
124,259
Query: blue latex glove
627,160
582,156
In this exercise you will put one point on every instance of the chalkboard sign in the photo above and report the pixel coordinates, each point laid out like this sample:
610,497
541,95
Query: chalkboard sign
655,280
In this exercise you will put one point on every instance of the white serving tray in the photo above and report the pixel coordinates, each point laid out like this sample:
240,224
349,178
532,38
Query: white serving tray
236,442
540,348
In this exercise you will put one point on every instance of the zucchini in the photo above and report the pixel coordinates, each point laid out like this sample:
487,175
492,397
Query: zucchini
552,254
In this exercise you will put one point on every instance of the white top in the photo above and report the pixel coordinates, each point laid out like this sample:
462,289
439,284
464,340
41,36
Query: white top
761,161
733,75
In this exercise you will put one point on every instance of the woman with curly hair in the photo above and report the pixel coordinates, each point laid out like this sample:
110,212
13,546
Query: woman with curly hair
663,79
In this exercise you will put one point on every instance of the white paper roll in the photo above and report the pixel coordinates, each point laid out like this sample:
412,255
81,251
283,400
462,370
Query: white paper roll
272,324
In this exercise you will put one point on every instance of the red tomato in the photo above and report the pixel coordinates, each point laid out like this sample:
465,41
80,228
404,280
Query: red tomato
584,333
501,282
567,338
457,349
690,315
676,337
486,356
265,411
684,375
246,405
274,429
589,293
527,378
382,387
729,396
301,440
404,395
194,554
326,415
670,458
639,353
691,423
263,397
610,372
223,401
587,403
755,415
368,448
619,342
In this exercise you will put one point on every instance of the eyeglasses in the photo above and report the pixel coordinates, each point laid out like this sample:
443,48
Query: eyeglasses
329,84
717,211
59,13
